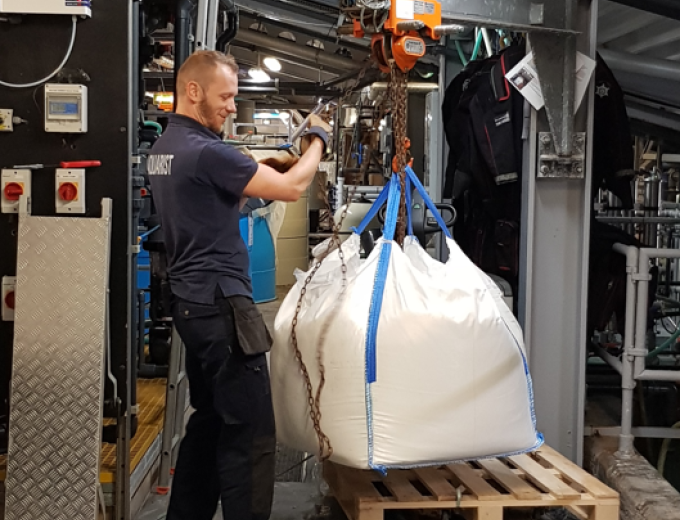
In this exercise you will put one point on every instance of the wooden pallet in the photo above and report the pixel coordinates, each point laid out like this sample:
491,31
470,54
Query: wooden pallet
479,491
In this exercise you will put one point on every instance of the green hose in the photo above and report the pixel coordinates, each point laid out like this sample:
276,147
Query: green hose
478,44
460,54
155,125
666,344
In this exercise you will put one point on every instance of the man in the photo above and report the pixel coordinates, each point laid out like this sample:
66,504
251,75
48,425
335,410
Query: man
198,183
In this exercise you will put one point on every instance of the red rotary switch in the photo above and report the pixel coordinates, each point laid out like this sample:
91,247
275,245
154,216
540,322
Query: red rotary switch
13,190
68,192
9,300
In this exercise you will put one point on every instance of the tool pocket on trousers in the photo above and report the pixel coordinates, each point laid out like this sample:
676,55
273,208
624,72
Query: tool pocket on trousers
251,330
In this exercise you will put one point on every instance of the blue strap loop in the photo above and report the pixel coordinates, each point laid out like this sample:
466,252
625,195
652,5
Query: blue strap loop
392,208
382,198
428,201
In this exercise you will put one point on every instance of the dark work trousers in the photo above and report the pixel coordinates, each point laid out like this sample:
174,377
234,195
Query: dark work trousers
228,451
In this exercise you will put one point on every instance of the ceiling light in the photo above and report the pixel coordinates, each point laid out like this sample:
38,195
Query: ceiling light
258,75
272,64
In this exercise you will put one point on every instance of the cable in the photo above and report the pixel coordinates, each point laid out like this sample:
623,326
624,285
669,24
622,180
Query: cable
57,70
661,464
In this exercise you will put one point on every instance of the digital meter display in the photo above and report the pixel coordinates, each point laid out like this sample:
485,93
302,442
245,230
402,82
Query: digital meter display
63,108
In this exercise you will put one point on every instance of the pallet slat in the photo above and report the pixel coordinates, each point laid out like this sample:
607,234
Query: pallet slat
543,478
476,484
574,473
440,488
539,480
402,489
360,484
517,487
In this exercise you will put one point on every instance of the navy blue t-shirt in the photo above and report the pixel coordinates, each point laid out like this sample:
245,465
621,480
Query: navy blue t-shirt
197,181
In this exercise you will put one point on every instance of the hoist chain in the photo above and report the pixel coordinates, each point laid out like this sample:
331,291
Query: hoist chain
398,100
314,400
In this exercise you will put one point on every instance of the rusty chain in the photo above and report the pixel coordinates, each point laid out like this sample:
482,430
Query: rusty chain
397,95
398,100
314,400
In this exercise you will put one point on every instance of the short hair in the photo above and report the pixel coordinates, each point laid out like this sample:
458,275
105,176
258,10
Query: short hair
199,64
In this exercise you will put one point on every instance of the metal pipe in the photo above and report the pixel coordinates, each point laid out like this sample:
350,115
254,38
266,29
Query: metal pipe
643,65
626,438
182,33
303,52
211,27
441,30
303,126
201,24
412,86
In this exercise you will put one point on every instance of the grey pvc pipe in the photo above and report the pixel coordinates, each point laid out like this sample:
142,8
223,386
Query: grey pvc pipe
643,65
642,302
626,438
612,361
660,375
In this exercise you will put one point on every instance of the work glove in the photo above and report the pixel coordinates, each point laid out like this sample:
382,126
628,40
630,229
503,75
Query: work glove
317,127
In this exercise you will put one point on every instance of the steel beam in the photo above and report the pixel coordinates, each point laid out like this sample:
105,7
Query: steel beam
553,290
320,31
668,8
295,51
522,15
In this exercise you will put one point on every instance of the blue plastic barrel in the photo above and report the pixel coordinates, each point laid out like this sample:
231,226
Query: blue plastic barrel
262,270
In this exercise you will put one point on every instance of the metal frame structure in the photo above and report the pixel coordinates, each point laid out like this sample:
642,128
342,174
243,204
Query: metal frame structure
631,366
173,424
554,251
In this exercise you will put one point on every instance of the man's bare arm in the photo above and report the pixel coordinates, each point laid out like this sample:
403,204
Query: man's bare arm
269,184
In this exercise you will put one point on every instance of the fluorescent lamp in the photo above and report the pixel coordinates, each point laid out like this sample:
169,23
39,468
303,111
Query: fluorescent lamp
272,64
258,75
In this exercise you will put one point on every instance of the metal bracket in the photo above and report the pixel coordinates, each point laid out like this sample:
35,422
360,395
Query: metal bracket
553,165
536,14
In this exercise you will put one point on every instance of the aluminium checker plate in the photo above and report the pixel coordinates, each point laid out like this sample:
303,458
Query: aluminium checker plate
58,367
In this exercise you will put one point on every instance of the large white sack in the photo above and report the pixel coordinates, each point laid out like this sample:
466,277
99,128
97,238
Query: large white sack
451,382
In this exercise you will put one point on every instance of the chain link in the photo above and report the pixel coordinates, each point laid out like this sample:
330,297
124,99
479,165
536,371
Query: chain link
314,400
398,99
397,94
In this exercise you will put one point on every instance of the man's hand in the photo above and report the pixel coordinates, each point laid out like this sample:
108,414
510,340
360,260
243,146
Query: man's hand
317,128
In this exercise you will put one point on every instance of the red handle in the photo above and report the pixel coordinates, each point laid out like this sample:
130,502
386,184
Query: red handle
81,164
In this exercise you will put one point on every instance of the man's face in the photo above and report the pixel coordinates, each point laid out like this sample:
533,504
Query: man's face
217,101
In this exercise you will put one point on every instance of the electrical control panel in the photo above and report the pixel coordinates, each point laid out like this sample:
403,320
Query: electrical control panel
6,123
70,191
65,108
14,184
72,7
8,297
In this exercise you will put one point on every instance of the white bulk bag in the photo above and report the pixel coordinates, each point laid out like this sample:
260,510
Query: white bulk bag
424,362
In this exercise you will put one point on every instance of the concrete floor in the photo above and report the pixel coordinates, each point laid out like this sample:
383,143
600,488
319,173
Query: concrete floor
292,501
